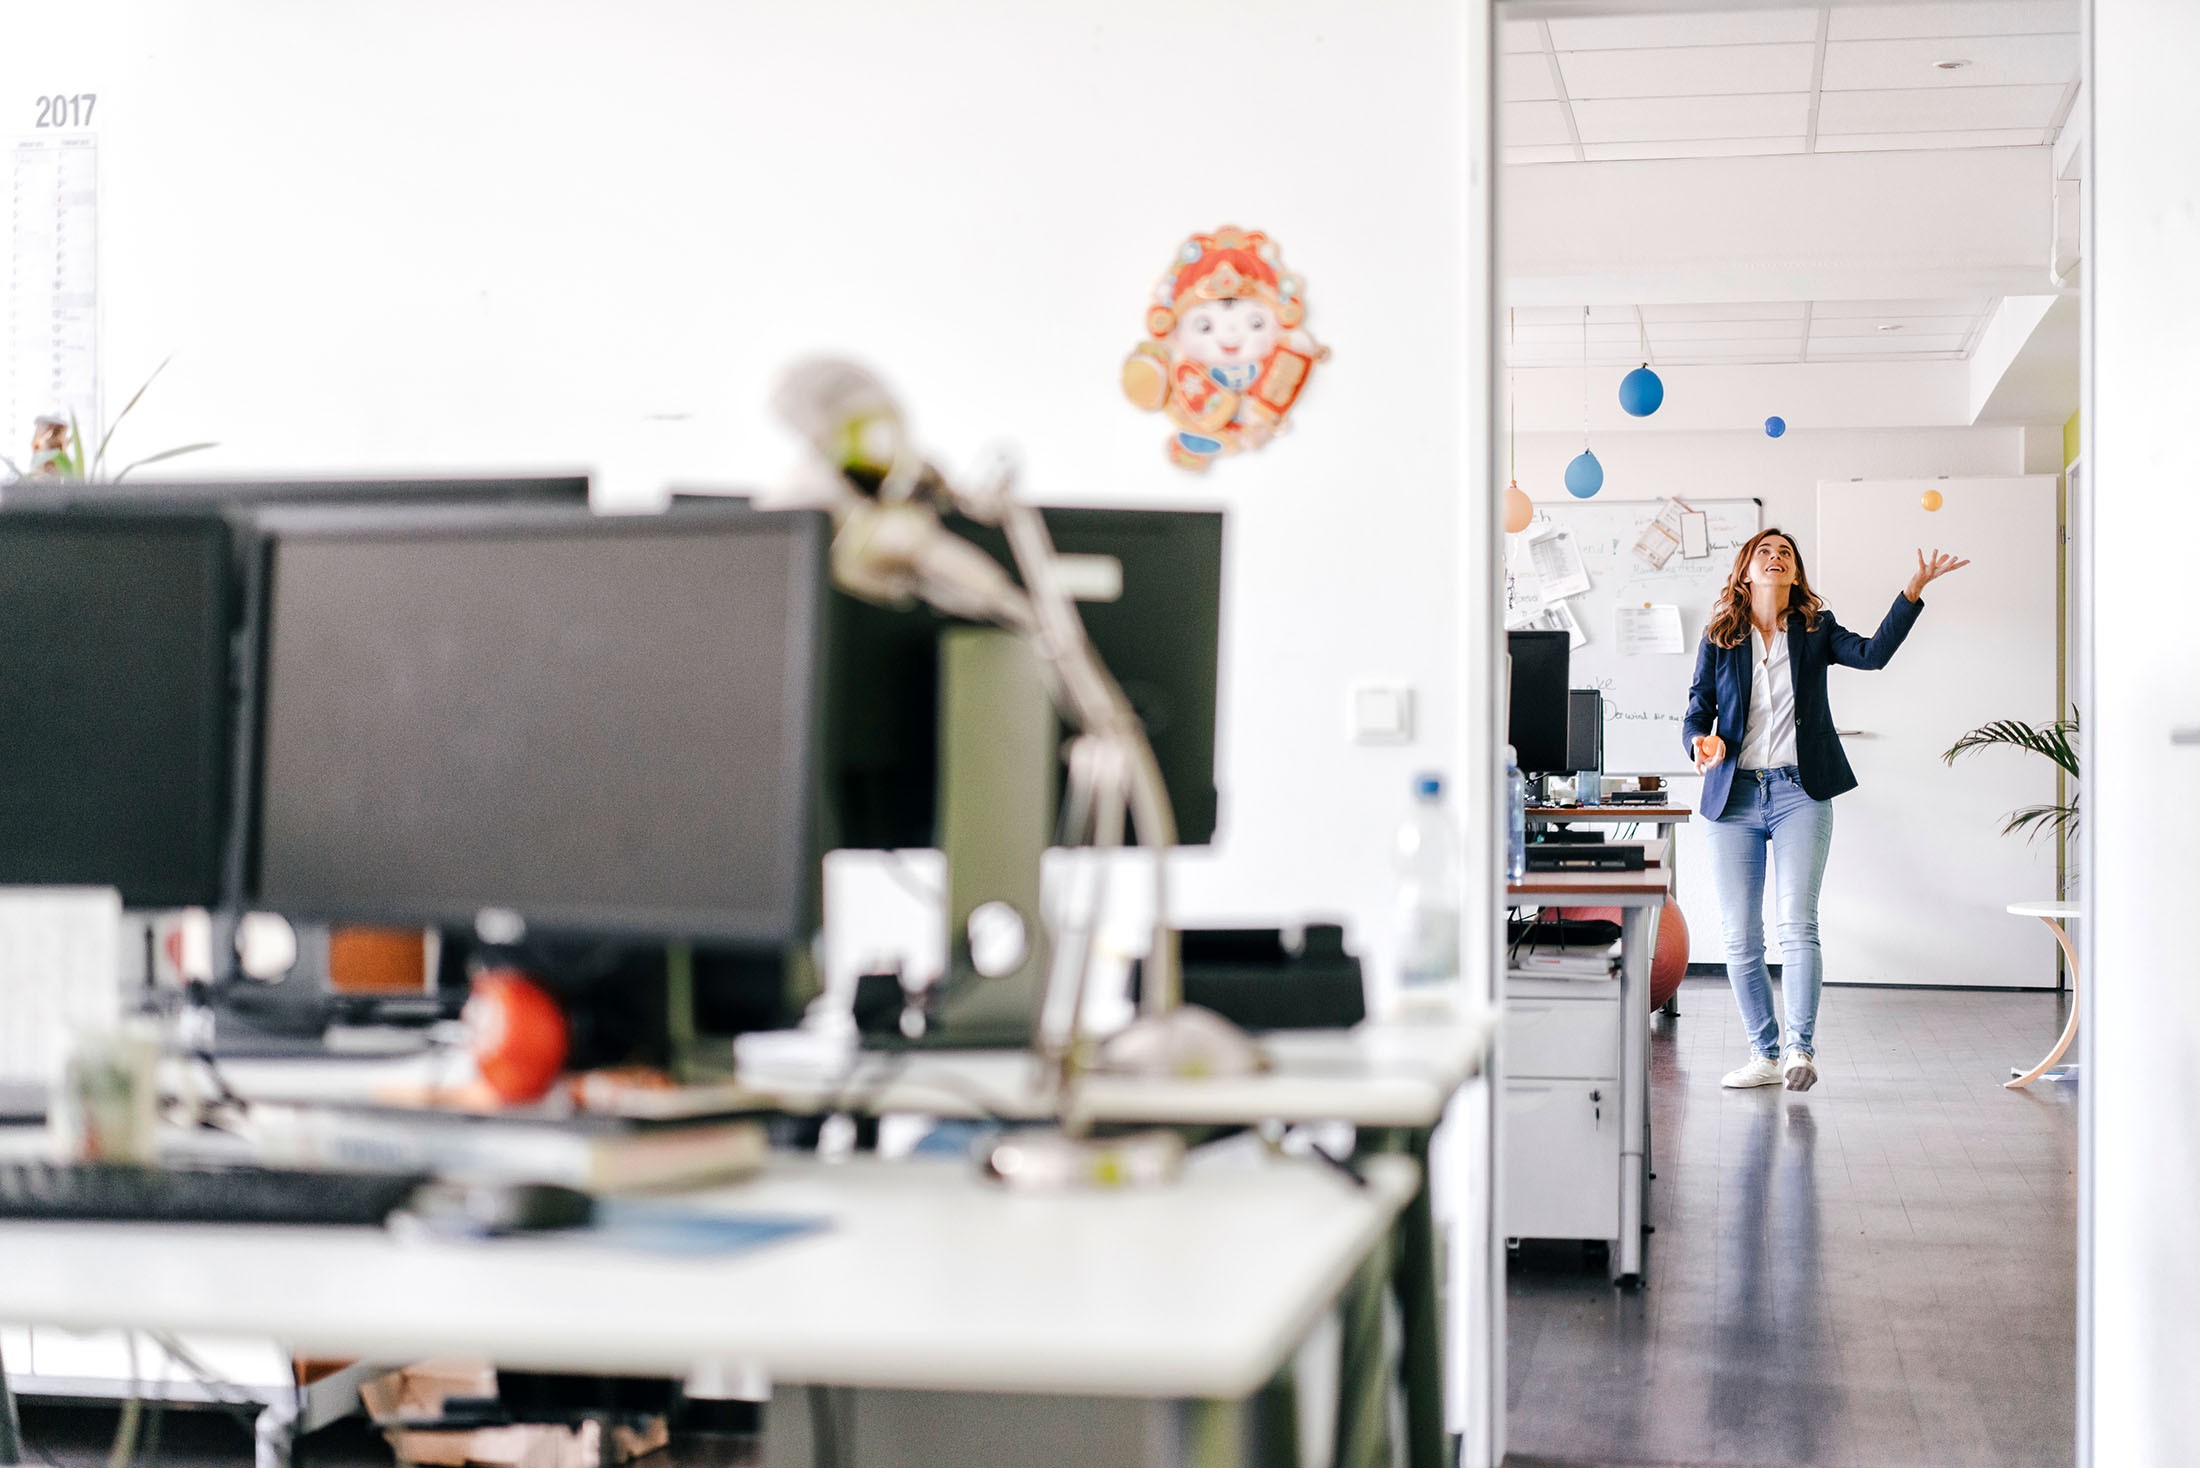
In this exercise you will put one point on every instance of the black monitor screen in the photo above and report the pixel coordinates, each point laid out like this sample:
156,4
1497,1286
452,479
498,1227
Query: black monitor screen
604,726
114,704
142,494
1537,727
1149,588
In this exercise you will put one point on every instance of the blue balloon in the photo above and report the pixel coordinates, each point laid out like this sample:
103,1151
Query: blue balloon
1774,427
1584,476
1640,392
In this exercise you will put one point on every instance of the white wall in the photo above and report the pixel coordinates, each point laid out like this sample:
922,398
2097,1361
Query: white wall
2139,1277
1784,473
467,233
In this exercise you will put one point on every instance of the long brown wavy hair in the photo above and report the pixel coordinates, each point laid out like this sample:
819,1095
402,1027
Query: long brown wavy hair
1729,622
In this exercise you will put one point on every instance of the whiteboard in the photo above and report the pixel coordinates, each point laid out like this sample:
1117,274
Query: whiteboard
1645,696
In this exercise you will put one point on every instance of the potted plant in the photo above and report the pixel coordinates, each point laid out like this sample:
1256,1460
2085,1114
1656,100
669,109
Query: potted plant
67,458
2057,741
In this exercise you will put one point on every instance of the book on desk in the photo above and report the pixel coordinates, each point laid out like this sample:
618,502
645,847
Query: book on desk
591,1151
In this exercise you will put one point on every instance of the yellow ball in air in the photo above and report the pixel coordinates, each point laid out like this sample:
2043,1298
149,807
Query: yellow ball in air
1932,499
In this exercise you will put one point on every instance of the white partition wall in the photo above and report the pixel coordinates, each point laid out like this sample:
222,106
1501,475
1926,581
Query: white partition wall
2139,1276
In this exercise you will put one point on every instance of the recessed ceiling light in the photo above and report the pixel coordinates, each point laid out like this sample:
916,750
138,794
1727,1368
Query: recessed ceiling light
1955,65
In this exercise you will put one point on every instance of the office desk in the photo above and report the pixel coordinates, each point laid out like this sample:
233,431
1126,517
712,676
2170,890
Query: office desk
1639,896
1392,1081
927,1279
1663,818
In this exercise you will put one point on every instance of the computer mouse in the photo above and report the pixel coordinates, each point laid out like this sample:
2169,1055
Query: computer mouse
491,1209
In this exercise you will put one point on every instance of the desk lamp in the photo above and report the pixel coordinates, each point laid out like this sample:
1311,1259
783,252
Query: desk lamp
891,546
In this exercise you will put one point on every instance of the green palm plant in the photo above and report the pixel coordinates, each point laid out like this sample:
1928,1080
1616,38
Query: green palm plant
2057,741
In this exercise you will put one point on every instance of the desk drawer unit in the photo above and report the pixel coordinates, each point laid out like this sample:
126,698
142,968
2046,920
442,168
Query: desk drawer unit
1548,1039
1562,1169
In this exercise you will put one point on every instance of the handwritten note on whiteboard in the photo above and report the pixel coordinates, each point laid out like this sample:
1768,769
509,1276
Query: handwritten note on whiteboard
53,289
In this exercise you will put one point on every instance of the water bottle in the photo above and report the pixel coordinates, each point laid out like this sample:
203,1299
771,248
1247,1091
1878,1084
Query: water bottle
1516,826
1428,902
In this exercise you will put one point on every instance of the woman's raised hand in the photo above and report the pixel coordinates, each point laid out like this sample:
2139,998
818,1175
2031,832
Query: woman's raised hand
1710,749
1932,570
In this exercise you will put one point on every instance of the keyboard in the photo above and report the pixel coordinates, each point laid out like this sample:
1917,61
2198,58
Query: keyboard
1625,856
51,1192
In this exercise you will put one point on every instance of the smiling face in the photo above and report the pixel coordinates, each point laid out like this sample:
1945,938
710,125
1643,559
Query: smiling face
1229,332
1773,564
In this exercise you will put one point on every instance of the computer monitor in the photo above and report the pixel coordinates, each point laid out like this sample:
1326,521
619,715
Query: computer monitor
1539,696
1149,587
1585,730
545,723
115,703
145,495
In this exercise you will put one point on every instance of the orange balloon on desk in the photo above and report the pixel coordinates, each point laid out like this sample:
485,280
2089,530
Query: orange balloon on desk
518,1034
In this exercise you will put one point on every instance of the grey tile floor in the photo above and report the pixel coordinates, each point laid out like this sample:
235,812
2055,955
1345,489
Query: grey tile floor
1880,1272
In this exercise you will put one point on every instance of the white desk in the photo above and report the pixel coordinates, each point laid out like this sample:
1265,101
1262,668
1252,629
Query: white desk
1393,1081
1376,1075
927,1279
1639,896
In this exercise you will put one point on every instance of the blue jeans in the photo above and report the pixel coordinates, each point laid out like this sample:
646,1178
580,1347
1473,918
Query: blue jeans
1768,807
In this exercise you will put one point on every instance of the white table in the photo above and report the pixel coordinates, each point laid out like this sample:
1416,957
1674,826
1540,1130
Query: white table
1639,896
927,1279
2057,916
1392,1081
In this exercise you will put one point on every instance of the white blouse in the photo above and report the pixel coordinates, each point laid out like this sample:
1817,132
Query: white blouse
1768,741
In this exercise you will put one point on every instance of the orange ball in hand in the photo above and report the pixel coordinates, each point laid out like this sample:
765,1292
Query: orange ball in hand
519,1035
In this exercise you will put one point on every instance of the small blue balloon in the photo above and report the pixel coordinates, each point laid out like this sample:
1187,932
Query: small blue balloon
1640,392
1584,476
1774,427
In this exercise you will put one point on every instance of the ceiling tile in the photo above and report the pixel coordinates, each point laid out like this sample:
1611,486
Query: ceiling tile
1528,124
1937,110
1781,349
1902,345
2004,137
1519,35
1692,148
1544,355
1687,71
1699,28
1525,78
1835,327
1610,331
1994,61
1656,119
1953,18
1571,315
1972,306
1541,153
1664,332
1727,311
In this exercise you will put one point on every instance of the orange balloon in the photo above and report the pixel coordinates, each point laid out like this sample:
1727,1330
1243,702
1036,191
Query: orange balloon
1668,962
1932,499
518,1034
1519,510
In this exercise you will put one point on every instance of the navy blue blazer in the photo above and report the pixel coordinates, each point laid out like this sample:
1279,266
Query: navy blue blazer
1720,696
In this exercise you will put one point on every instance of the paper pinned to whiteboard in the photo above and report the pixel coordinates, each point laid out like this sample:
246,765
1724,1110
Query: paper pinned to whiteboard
1558,564
1695,535
1649,630
1559,617
1662,536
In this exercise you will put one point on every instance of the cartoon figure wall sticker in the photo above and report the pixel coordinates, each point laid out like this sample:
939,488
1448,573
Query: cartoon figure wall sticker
1227,356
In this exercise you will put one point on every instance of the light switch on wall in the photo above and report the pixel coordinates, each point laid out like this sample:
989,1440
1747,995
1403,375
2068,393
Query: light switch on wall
1382,715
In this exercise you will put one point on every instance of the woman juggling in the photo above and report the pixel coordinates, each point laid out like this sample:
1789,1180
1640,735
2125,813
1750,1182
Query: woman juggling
1761,734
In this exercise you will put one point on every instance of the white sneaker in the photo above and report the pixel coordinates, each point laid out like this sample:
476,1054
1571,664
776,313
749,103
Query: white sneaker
1801,1071
1762,1070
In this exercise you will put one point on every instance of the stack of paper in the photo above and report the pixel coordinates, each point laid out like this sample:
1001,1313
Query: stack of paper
1557,961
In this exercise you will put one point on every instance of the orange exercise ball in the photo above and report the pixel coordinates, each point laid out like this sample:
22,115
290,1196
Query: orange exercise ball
518,1034
1519,510
1669,964
1932,500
